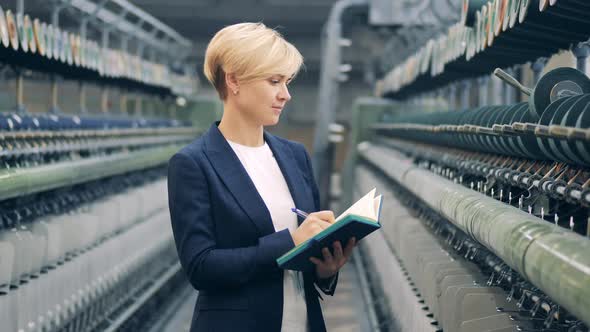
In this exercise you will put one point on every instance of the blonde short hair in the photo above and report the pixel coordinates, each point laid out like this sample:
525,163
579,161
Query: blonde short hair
251,51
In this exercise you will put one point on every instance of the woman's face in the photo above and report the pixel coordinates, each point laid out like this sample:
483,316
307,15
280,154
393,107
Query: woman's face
262,101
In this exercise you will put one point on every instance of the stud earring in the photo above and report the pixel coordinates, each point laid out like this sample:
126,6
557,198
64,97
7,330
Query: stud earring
235,92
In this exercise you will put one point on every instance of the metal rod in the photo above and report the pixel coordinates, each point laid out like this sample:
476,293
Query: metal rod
465,93
20,7
483,93
361,271
538,67
140,49
123,101
55,15
452,97
138,105
83,28
172,114
508,78
104,100
83,108
20,104
54,95
581,51
105,38
124,44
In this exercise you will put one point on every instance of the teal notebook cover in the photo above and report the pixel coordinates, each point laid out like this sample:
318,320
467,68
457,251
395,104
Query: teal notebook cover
351,226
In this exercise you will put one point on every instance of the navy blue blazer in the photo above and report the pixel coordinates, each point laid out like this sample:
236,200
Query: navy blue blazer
225,237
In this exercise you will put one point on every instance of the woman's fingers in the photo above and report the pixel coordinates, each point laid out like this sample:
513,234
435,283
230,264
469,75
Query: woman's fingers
338,254
331,263
316,261
327,256
325,215
349,247
323,224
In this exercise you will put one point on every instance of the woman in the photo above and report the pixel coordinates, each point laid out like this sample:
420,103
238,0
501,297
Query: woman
231,192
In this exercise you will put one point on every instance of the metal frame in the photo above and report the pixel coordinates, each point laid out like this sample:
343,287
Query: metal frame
145,30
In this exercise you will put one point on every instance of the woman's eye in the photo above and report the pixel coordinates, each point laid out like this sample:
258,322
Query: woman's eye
275,81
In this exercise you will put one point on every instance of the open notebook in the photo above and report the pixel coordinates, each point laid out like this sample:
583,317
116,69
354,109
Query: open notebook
359,220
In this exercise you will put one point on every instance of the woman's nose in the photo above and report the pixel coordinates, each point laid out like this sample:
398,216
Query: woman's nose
284,94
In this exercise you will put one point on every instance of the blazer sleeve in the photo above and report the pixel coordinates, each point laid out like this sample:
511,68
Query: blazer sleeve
206,266
327,286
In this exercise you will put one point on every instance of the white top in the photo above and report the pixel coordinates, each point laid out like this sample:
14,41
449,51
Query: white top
268,179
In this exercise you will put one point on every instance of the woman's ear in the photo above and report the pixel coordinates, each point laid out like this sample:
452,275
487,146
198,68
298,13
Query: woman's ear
232,84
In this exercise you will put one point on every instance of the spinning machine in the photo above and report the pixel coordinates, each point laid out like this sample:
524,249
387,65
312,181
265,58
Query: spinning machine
85,237
486,209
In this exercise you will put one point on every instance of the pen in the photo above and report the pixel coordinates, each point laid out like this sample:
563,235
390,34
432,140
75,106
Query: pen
300,213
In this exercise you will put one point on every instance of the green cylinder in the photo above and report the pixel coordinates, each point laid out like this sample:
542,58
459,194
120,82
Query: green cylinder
25,181
552,258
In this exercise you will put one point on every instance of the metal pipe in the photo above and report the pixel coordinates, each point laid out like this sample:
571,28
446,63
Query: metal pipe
552,258
581,51
328,93
55,15
538,67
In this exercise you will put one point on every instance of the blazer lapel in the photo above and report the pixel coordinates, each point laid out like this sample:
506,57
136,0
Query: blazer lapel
287,164
234,175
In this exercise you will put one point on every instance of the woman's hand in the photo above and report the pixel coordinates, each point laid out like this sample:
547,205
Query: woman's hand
332,263
313,224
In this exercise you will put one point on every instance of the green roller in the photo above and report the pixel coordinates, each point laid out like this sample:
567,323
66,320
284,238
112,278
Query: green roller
25,181
552,258
560,265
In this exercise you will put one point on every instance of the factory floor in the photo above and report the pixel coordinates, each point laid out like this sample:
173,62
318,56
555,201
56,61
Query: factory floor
344,312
